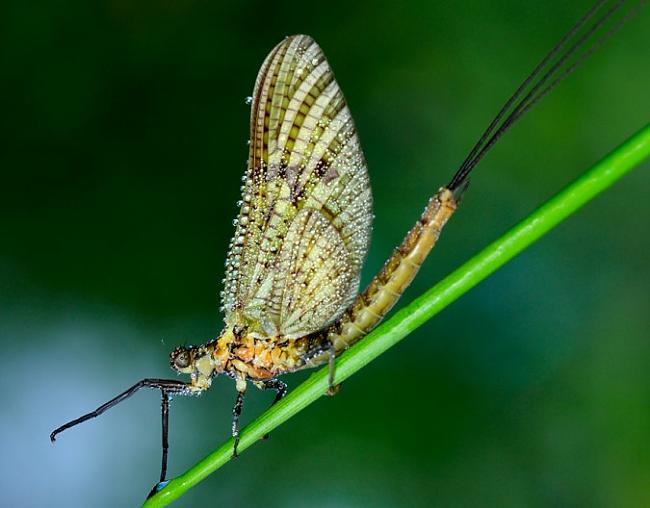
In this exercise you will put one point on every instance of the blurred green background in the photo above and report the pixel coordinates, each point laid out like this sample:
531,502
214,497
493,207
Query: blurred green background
124,135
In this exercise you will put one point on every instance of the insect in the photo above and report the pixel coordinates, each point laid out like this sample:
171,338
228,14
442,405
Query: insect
290,294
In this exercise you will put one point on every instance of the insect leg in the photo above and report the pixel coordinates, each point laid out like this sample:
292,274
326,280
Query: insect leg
165,433
280,388
165,443
316,356
331,353
236,413
166,385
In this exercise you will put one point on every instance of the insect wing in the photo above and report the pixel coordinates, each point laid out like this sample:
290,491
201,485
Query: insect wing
304,226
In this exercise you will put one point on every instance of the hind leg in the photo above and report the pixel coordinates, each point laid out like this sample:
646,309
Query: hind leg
331,354
319,349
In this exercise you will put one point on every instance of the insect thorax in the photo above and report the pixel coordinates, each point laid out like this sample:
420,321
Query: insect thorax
240,356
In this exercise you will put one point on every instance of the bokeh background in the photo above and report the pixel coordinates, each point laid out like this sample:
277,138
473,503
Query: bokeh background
124,135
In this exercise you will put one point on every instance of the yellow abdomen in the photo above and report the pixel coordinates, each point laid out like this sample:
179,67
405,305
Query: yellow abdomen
385,289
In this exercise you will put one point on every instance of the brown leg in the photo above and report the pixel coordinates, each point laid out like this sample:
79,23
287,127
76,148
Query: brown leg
332,388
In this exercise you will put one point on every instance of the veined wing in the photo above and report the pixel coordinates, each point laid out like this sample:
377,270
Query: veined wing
304,225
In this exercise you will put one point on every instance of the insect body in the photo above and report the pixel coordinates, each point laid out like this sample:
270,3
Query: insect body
302,234
292,274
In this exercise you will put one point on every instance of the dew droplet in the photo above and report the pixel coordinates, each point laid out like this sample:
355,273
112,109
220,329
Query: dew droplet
248,100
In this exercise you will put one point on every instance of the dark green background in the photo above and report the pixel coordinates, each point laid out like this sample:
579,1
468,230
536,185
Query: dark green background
124,130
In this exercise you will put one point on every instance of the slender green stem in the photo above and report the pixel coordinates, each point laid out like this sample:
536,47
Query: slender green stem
621,160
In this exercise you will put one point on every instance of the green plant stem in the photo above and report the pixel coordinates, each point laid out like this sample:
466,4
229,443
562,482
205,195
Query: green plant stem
621,160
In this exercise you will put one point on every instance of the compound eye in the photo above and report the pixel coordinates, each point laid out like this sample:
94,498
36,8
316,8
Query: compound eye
181,359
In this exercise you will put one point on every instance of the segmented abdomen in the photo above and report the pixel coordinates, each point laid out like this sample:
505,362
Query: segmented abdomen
387,286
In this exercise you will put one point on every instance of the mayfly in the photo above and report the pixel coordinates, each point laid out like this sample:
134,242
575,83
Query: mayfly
291,297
